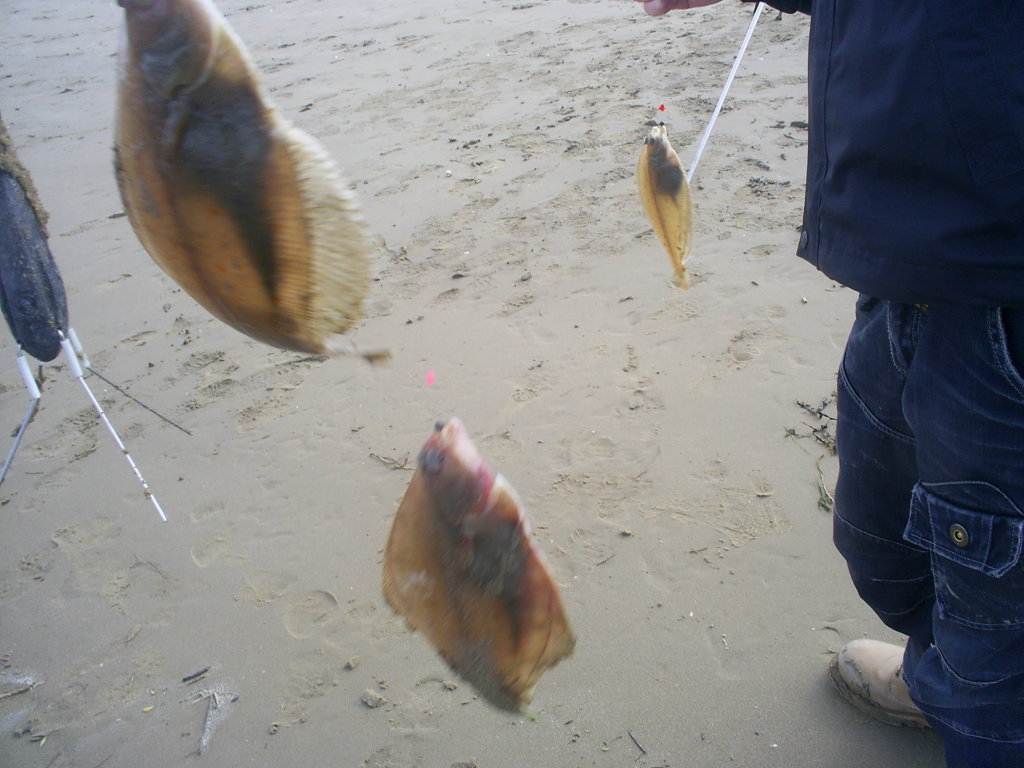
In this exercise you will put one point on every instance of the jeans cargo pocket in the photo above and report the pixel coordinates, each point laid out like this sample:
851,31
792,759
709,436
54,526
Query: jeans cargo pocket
976,556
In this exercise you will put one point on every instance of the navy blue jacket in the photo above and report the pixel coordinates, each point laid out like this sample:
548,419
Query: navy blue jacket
915,173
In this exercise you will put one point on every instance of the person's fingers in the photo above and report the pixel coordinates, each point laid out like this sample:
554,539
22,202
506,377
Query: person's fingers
656,7
659,7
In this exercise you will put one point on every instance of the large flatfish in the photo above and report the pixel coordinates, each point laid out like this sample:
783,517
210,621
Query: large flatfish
461,567
665,194
245,211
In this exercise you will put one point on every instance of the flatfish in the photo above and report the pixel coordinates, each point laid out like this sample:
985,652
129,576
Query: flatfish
243,210
461,567
665,194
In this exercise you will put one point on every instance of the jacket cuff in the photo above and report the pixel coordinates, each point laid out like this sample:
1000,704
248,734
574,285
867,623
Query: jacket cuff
787,6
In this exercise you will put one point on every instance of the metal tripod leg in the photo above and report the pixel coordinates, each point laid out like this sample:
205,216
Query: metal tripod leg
75,364
33,406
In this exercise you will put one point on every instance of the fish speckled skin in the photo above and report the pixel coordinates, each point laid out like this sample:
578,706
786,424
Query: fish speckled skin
246,212
461,567
665,194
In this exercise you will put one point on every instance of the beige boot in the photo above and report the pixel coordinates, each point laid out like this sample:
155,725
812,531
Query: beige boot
869,675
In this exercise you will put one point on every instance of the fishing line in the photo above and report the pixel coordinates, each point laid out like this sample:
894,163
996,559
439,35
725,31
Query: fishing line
725,90
80,351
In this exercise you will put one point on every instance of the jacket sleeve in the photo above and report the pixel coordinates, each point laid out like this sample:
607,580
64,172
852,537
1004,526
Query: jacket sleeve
787,6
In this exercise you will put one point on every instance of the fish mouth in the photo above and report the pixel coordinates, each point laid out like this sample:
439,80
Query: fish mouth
447,438
453,425
450,452
454,439
657,135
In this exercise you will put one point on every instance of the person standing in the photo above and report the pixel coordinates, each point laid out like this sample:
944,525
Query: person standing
915,200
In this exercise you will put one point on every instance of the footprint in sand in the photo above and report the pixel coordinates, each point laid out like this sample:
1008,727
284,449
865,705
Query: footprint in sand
531,387
517,303
312,613
308,678
216,379
30,569
423,708
198,361
136,340
743,347
384,757
205,511
446,296
263,587
262,410
740,510
85,535
639,386
750,343
357,620
76,436
214,550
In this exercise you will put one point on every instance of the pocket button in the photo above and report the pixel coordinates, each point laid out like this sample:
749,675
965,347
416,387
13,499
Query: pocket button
959,535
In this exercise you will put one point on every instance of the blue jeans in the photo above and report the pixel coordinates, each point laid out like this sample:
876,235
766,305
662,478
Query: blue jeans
929,509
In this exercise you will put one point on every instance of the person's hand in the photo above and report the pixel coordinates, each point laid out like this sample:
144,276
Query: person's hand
658,7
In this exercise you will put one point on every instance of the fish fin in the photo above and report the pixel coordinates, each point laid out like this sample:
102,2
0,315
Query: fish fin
324,252
410,550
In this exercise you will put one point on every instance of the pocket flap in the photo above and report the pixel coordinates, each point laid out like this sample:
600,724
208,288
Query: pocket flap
989,542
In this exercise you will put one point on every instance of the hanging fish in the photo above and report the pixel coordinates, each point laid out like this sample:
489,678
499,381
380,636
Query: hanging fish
244,210
32,293
461,567
665,194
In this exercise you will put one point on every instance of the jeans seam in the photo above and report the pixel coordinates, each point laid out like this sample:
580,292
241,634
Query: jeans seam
1017,737
894,348
956,618
1000,352
911,547
916,580
963,680
845,380
897,614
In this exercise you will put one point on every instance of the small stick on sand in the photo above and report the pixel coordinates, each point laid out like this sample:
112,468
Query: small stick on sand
393,463
195,676
638,745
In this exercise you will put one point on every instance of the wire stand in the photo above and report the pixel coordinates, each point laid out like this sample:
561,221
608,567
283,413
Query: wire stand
76,357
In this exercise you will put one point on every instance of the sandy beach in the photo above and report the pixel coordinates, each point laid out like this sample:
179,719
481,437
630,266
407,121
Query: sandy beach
676,484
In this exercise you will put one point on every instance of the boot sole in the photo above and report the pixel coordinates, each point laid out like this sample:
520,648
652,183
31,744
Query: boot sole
869,707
